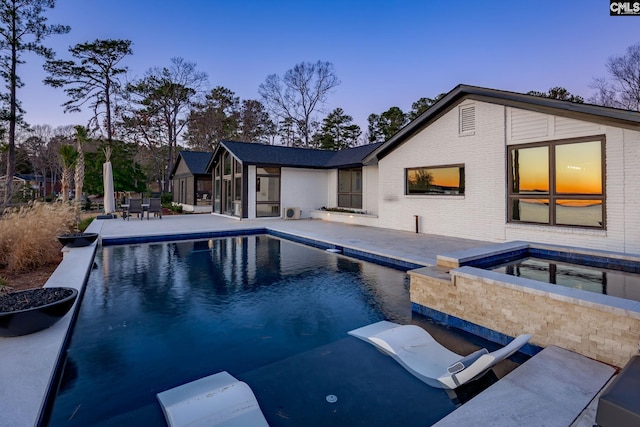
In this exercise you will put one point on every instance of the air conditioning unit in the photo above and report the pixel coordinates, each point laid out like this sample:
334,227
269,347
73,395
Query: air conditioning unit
292,213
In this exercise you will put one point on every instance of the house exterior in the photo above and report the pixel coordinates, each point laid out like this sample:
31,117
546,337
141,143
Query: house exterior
191,181
500,166
480,164
257,181
30,185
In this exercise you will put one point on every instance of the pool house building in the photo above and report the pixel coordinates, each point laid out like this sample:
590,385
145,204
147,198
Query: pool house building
257,181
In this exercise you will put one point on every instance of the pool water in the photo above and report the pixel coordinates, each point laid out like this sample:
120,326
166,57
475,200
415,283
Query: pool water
616,283
271,312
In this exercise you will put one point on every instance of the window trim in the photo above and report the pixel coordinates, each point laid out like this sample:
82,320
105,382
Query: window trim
272,203
457,165
552,195
350,193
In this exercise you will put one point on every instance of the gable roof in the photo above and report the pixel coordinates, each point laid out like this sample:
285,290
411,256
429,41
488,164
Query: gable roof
588,112
196,161
275,155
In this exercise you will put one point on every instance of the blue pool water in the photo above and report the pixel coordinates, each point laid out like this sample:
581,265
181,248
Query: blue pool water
271,312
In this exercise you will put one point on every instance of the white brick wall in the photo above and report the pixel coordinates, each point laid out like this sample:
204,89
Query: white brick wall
332,190
370,189
481,212
631,160
311,189
303,188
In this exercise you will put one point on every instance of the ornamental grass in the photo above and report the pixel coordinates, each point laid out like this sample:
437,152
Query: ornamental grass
29,235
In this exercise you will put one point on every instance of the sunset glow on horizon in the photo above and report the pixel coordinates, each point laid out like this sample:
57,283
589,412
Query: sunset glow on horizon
440,177
577,168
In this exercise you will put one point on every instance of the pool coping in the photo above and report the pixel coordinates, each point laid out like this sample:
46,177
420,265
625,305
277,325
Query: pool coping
468,263
371,256
29,362
472,256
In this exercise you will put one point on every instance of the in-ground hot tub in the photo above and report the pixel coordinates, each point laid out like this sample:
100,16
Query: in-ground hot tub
606,274
463,292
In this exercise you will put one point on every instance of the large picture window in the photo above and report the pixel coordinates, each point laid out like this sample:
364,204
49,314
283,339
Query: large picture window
558,183
267,192
439,180
350,188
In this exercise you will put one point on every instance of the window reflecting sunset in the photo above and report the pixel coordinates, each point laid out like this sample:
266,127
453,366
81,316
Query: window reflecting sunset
578,168
531,170
569,172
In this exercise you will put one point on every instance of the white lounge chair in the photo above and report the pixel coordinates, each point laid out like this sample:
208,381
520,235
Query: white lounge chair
217,400
424,357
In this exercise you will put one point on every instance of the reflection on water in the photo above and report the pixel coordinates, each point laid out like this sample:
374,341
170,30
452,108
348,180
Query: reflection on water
609,282
568,212
157,315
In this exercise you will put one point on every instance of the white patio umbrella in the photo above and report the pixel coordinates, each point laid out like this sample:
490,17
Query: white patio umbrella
107,174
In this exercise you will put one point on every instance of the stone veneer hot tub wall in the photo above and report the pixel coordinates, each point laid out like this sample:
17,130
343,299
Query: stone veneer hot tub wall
598,326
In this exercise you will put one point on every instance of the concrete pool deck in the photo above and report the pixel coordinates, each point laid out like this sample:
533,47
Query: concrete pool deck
28,362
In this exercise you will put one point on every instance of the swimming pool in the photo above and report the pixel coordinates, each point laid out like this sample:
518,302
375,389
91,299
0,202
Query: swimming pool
271,312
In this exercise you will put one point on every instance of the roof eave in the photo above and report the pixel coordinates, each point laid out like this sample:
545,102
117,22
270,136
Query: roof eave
578,111
214,155
418,123
175,165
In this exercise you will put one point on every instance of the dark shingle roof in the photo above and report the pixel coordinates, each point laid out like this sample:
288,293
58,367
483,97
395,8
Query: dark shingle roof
275,155
588,112
196,161
351,156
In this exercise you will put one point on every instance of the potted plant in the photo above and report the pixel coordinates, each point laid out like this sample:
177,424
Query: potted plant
32,310
79,238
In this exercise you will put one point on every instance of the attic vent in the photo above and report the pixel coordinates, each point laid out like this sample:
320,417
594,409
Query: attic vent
467,119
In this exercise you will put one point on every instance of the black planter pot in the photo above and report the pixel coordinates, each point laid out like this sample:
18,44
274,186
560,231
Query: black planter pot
77,240
26,312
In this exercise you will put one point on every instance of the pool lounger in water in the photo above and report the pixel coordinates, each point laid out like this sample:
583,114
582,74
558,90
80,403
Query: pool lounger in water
424,357
216,400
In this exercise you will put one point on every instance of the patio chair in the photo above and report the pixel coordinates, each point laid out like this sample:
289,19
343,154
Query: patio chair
216,400
421,355
135,207
155,207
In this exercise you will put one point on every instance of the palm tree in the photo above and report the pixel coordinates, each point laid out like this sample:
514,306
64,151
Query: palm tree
68,156
81,138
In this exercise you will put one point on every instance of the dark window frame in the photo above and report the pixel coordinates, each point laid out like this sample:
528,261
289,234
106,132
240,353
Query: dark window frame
552,195
461,184
272,203
350,193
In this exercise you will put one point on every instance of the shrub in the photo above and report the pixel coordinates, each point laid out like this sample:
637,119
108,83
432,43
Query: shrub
28,235
84,223
166,198
176,208
4,285
340,210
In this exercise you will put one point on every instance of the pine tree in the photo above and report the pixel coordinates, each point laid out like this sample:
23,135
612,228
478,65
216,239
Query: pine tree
22,29
337,132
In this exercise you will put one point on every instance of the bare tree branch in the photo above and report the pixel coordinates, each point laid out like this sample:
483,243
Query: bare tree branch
298,94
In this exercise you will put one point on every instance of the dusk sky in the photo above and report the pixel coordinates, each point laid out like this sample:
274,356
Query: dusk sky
385,53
